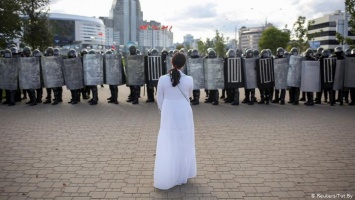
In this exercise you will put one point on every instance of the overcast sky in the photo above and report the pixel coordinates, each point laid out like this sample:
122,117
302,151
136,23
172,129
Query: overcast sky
201,18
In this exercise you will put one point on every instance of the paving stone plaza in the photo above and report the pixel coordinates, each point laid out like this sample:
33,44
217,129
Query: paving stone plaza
261,152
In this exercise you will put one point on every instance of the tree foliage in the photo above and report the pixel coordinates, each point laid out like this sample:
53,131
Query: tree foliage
217,43
272,38
350,8
300,33
36,24
10,21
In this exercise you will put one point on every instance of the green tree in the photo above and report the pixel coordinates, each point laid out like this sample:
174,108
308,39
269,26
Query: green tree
36,24
11,23
220,46
272,38
201,47
350,8
300,31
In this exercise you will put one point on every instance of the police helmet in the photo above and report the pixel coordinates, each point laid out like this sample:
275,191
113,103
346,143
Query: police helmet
72,53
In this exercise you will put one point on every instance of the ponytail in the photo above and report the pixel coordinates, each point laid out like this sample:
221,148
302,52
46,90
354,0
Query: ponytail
174,76
178,62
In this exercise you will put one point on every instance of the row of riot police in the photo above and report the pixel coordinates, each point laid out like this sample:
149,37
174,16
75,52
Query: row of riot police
33,72
271,75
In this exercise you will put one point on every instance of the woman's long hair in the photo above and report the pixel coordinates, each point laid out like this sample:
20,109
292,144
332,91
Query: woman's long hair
178,62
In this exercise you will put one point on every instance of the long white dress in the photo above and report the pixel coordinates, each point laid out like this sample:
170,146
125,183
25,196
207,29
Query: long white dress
175,160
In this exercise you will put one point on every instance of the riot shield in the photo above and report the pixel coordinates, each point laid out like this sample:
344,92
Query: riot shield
194,68
265,73
339,75
93,69
153,69
1,73
349,80
214,75
113,69
52,71
10,73
310,77
294,71
281,66
73,73
135,70
29,73
327,71
233,76
250,80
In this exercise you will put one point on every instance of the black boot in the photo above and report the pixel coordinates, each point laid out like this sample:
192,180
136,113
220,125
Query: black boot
318,98
131,94
215,98
296,95
196,97
277,99
150,94
39,93
303,98
346,96
262,96
56,96
236,97
95,97
252,97
11,97
282,97
32,96
247,94
49,96
136,92
325,92
310,101
291,95
114,94
210,96
332,97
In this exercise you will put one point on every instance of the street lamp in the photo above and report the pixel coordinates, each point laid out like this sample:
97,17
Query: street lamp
267,15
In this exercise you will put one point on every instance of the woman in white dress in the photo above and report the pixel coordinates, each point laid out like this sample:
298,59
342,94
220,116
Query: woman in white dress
175,160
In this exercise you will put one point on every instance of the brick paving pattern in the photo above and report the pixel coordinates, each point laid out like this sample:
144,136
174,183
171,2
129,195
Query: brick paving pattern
78,152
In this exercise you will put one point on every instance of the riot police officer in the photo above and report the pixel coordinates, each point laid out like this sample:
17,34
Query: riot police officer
134,89
85,91
232,89
39,92
9,93
15,54
31,92
213,95
265,91
280,53
294,92
324,54
249,93
195,93
76,92
309,56
56,52
113,88
339,54
93,88
150,88
319,53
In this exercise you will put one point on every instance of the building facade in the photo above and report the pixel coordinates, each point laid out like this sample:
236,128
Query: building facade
324,30
77,31
127,18
249,37
155,37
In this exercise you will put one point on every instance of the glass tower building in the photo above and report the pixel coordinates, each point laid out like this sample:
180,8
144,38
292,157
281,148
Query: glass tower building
127,17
